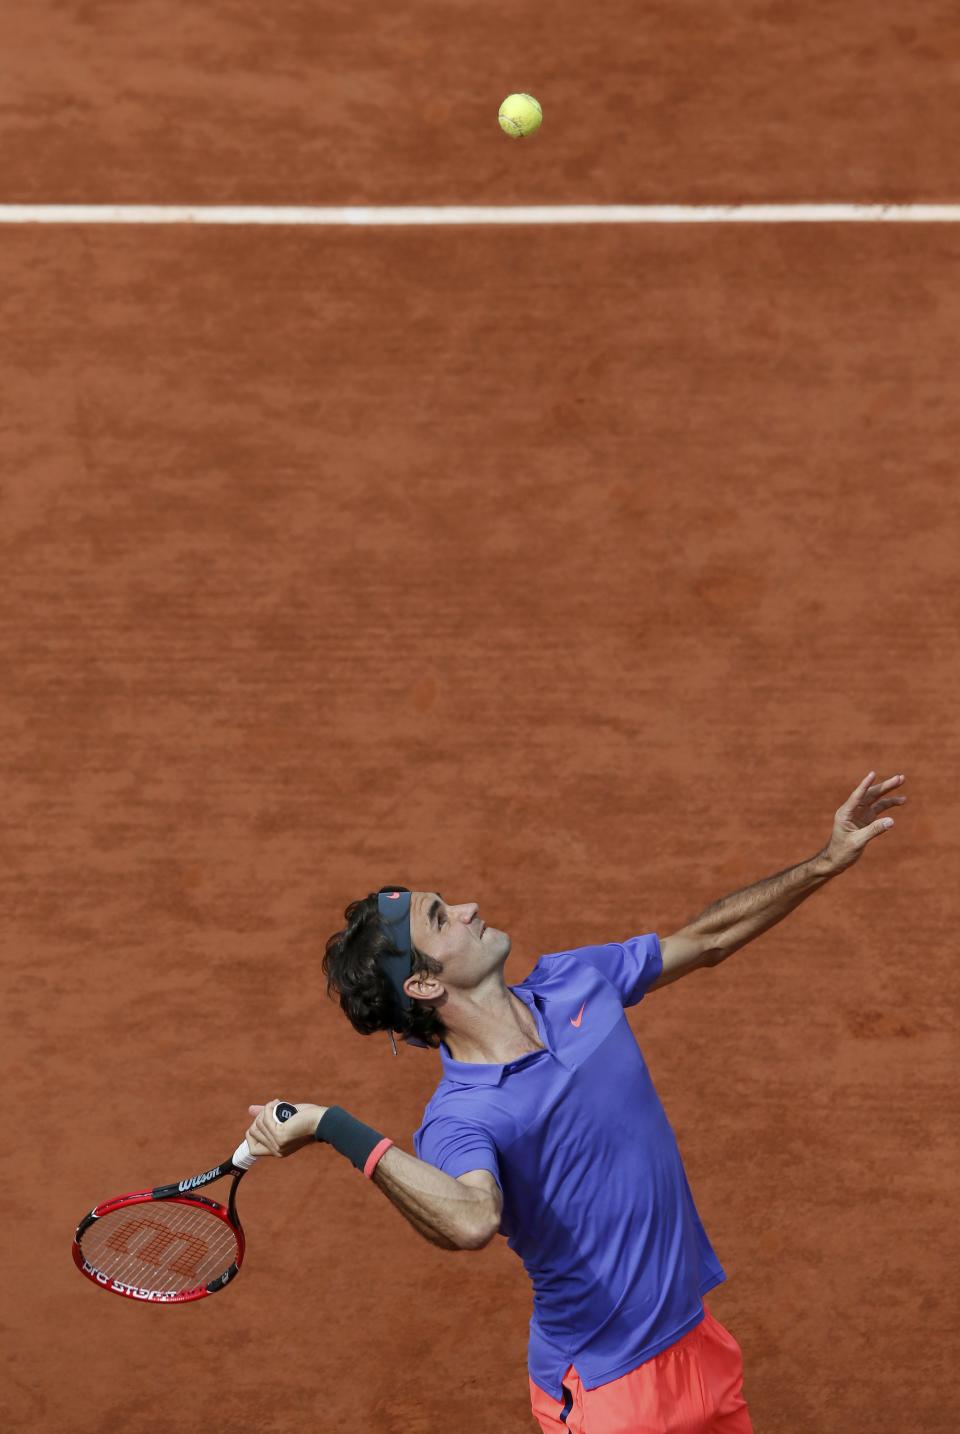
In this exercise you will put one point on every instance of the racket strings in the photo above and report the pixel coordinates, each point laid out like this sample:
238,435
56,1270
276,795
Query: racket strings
160,1245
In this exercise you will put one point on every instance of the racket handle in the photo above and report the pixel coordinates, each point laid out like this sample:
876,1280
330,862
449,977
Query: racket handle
242,1158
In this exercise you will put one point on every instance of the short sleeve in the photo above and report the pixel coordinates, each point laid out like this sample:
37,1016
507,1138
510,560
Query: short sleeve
454,1146
630,966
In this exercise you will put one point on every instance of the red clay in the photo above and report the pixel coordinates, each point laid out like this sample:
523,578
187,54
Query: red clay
579,572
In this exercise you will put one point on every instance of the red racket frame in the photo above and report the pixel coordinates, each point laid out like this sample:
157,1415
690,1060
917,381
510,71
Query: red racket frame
136,1292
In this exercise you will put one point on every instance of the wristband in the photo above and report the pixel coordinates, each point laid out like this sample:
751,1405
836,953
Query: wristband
358,1142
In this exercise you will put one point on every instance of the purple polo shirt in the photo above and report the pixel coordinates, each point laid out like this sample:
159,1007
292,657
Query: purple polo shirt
595,1197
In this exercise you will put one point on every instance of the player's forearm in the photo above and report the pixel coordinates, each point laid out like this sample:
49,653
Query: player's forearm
732,922
445,1212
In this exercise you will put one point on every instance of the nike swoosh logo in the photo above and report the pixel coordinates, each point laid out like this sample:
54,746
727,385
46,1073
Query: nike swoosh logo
580,1017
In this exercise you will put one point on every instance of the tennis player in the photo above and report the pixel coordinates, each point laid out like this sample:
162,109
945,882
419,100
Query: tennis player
546,1128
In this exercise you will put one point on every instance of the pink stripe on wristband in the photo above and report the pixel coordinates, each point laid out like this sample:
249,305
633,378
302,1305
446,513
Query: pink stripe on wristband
376,1154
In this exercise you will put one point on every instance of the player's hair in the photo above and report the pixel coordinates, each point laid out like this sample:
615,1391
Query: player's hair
351,964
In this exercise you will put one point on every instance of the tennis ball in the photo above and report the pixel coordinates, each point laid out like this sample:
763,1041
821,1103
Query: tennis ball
520,115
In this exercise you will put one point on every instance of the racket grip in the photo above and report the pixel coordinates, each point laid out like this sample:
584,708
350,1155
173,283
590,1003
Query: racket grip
242,1158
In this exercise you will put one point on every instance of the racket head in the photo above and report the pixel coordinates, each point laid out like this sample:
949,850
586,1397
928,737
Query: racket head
172,1249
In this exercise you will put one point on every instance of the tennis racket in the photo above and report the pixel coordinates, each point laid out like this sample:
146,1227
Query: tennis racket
168,1245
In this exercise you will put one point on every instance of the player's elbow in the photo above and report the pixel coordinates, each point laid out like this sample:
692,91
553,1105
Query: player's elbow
475,1244
480,1219
479,1236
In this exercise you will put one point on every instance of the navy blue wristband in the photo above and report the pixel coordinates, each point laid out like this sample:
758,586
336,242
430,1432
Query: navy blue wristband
351,1137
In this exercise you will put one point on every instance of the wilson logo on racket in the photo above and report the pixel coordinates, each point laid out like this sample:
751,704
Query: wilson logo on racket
198,1179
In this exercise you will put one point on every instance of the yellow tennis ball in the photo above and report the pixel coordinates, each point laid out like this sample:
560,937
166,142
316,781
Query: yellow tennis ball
520,115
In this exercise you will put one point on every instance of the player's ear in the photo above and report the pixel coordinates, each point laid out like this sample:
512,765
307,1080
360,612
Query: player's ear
419,986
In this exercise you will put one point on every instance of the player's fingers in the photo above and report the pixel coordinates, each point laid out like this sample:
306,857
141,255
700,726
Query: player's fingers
254,1144
261,1133
874,829
265,1135
856,795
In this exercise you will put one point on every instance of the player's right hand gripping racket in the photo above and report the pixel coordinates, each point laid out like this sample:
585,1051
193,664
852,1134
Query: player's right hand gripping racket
168,1245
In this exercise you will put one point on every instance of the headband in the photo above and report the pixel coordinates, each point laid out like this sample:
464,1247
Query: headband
393,904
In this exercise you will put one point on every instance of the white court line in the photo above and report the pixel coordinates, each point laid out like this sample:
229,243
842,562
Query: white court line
478,214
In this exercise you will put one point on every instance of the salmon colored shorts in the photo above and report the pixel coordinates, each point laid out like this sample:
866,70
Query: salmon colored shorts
693,1387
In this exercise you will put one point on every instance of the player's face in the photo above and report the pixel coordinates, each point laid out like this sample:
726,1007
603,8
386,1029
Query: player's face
457,935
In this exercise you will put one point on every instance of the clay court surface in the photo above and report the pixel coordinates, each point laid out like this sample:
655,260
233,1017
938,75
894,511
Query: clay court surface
581,572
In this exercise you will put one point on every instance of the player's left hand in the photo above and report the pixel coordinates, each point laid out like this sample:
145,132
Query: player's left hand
858,821
268,1136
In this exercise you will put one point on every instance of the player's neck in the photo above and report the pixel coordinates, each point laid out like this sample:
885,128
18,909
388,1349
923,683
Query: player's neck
492,1032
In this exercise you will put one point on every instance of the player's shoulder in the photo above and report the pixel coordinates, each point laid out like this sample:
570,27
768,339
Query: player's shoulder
554,969
454,1103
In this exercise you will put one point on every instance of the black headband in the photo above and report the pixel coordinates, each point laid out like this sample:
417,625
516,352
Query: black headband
393,904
